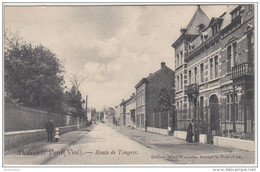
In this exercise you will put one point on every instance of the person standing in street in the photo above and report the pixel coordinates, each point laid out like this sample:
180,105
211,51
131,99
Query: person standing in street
189,132
50,129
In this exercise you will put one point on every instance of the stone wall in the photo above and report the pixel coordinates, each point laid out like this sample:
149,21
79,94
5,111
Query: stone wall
18,118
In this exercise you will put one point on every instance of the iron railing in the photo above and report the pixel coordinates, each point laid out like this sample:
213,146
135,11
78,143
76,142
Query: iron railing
242,70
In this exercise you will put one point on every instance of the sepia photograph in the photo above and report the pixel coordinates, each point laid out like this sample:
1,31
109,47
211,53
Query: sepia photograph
128,84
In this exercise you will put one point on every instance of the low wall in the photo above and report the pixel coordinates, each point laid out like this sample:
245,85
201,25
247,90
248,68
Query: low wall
158,130
203,138
234,143
180,134
15,138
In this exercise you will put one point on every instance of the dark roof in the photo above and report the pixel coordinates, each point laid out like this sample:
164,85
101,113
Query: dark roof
198,18
128,100
151,76
141,82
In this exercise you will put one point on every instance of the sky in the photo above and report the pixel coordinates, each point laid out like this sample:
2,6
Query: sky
111,47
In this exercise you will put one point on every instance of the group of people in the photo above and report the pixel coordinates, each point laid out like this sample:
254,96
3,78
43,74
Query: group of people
50,131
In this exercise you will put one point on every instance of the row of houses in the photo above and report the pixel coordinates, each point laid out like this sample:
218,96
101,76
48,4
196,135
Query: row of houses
142,108
213,81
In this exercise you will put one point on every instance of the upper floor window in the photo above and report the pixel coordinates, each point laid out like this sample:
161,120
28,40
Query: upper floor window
234,53
181,57
211,68
178,60
177,84
231,56
189,77
250,46
181,82
216,66
235,14
250,7
215,28
195,75
201,72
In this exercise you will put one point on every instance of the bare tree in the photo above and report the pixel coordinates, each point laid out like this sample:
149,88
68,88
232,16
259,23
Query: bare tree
76,80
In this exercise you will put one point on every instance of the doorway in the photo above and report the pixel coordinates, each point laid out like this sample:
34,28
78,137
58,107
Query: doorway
214,126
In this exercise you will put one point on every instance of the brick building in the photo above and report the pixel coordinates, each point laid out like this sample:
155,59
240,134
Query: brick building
147,95
214,73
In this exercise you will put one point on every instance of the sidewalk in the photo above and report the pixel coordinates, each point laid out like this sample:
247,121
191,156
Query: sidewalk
190,152
43,150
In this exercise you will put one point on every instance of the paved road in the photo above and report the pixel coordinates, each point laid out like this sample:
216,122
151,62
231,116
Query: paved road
104,145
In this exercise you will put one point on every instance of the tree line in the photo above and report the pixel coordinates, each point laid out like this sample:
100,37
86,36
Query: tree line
34,77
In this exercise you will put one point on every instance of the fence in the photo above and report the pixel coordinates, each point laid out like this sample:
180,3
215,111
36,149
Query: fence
159,120
220,120
18,118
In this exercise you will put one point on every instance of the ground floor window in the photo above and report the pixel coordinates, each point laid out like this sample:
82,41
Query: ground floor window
142,120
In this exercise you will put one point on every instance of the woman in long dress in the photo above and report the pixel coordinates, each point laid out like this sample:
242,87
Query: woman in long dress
189,133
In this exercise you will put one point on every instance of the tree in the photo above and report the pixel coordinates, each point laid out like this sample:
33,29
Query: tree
164,101
75,102
33,75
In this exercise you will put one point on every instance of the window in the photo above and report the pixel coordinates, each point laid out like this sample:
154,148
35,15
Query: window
201,109
231,116
249,7
195,75
181,82
234,53
201,73
189,77
181,58
215,28
178,60
229,59
236,108
177,83
181,108
216,66
250,45
228,112
211,68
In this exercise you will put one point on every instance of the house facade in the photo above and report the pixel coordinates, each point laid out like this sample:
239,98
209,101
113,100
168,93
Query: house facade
130,110
148,92
215,83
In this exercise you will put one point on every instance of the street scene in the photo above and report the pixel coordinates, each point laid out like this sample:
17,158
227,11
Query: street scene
129,85
104,145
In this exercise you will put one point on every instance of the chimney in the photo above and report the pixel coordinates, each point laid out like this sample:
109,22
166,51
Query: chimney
162,64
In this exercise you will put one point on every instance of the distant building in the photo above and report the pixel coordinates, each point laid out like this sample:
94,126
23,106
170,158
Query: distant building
117,115
130,105
148,92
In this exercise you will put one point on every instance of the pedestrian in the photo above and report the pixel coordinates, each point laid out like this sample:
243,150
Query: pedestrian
189,132
57,135
50,129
